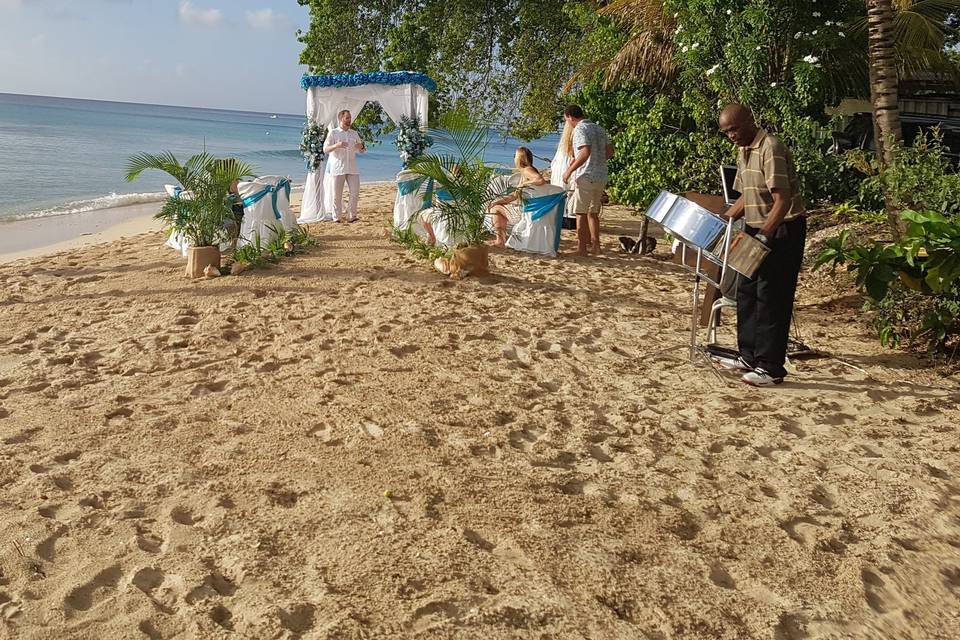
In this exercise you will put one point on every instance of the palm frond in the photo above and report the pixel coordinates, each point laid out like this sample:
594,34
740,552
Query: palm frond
164,161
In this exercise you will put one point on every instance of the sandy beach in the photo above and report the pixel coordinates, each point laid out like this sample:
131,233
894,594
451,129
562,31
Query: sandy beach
349,445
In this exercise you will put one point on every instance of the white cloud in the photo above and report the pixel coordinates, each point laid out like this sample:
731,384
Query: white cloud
191,15
267,20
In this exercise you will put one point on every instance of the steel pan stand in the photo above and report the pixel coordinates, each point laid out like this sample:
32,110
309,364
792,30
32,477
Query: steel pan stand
692,253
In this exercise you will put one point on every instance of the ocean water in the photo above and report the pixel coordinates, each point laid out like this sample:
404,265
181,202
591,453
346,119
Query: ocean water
60,156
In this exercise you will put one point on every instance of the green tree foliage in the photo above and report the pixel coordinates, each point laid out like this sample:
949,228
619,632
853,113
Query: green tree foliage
505,61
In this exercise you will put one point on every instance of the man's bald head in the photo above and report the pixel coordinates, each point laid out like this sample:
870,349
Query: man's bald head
737,122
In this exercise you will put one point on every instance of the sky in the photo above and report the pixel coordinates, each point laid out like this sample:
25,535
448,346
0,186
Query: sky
225,54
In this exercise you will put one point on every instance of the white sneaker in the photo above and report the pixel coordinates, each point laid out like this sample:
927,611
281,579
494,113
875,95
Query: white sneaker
733,364
760,378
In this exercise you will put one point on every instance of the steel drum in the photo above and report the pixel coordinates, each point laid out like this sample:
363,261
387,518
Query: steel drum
687,220
660,208
746,254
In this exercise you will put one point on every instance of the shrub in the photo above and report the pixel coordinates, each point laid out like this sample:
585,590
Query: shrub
921,178
913,284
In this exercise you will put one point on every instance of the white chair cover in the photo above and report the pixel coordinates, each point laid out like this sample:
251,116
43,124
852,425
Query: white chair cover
263,200
411,191
541,235
283,199
175,240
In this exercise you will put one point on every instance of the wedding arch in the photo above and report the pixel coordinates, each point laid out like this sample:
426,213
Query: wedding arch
399,93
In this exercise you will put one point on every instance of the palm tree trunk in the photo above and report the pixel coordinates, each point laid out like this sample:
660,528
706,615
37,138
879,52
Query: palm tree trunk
883,91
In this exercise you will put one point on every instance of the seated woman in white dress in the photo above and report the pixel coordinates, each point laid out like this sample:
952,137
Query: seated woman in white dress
507,210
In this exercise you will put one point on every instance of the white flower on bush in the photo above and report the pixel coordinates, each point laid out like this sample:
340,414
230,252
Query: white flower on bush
816,14
811,59
841,34
712,70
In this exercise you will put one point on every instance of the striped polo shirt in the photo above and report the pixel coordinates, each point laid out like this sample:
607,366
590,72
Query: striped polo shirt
763,166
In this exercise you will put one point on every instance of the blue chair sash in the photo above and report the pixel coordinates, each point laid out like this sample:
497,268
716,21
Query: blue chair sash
273,191
541,206
406,187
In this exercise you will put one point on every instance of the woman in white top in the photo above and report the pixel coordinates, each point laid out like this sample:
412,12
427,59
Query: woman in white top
505,210
563,157
342,146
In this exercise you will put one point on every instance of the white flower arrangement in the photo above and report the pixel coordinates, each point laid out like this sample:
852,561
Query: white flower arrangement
411,142
311,144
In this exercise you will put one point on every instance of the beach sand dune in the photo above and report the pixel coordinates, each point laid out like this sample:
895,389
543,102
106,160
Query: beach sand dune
348,445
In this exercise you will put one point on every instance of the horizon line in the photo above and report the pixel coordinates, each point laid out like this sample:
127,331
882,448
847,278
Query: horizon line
146,104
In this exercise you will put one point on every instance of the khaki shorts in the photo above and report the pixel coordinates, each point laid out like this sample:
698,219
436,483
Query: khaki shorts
587,196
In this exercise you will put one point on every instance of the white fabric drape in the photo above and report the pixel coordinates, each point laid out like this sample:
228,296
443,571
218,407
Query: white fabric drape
311,205
323,103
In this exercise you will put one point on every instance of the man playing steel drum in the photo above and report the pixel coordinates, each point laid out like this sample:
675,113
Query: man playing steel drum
775,215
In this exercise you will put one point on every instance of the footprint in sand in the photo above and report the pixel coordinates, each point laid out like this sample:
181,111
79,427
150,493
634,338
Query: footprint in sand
148,542
524,439
298,618
801,529
880,596
96,590
721,577
182,515
9,607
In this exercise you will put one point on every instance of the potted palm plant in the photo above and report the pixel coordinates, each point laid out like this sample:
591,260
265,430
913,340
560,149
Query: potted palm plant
458,169
200,212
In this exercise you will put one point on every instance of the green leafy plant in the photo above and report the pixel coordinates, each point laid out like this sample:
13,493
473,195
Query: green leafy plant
203,208
416,245
280,245
252,254
460,171
852,212
301,238
921,269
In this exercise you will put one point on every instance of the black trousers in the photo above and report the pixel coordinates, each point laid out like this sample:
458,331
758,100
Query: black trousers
765,302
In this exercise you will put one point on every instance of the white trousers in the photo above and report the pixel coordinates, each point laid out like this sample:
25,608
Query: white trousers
353,181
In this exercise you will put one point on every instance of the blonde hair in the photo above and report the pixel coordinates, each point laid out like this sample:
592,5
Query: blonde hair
523,158
566,139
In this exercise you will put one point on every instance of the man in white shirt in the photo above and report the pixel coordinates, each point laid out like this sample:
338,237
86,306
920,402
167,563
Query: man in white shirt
342,146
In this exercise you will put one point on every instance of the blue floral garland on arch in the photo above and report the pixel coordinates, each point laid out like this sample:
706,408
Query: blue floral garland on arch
376,77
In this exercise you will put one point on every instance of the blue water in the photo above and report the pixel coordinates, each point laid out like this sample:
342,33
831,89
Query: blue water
60,156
